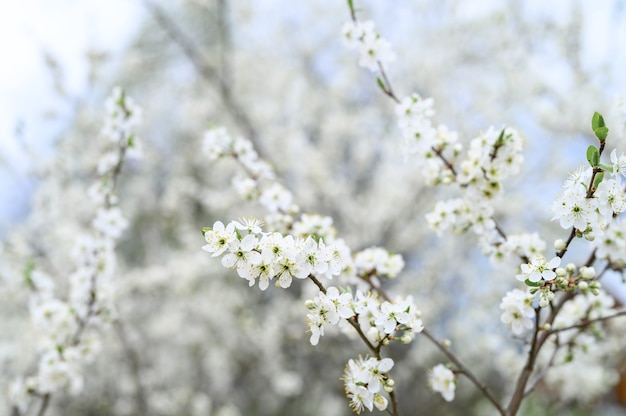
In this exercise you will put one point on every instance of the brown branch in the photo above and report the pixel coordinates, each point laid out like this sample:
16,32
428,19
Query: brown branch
587,322
463,369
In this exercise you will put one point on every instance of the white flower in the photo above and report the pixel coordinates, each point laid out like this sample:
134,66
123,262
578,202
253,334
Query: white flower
443,381
242,254
251,225
619,165
216,143
371,46
322,311
363,382
245,187
517,311
573,208
110,222
611,198
18,395
58,372
262,271
220,238
389,317
107,162
539,268
375,49
276,198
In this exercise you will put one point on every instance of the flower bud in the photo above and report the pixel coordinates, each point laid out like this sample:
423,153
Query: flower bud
590,236
309,304
571,268
583,286
560,272
406,338
388,388
446,343
372,334
547,327
587,272
559,244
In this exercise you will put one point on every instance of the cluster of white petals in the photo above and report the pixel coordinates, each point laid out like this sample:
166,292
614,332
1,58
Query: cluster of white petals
611,242
422,140
266,256
443,381
372,48
584,361
524,245
539,268
218,143
67,328
577,207
460,215
365,380
492,157
378,320
377,261
517,311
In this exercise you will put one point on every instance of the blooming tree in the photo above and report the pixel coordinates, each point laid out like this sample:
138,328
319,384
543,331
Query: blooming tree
346,208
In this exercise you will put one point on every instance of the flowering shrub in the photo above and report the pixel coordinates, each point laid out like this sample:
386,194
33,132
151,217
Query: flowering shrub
587,207
147,323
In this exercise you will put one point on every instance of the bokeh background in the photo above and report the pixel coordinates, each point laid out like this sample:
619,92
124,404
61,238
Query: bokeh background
195,339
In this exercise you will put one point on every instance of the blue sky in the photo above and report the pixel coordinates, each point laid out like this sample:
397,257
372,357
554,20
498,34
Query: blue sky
31,112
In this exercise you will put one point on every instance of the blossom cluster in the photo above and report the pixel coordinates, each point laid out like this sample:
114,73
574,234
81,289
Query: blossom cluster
517,311
539,268
443,381
123,116
218,143
492,157
269,256
67,328
610,243
423,140
372,48
579,358
591,207
523,245
378,320
377,261
259,182
364,381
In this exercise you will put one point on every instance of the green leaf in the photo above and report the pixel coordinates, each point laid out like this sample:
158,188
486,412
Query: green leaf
206,230
597,121
605,168
351,5
601,133
598,179
381,84
500,140
593,156
29,268
532,284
